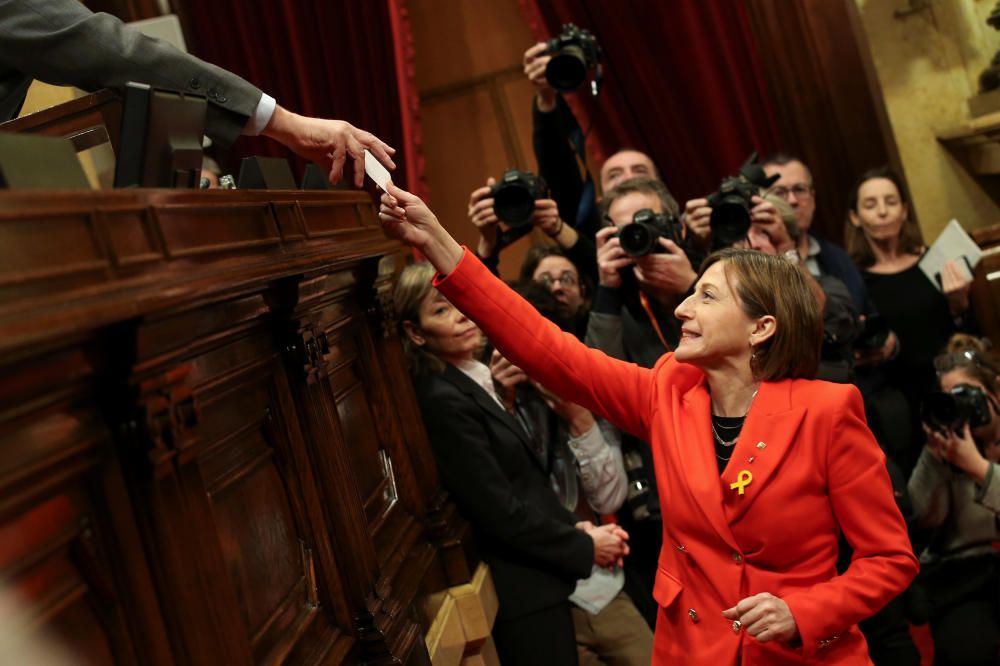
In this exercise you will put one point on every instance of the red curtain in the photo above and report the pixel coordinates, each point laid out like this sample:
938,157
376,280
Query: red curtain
682,82
333,59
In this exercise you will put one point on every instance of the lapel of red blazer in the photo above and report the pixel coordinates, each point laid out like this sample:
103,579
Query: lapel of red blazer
696,453
767,434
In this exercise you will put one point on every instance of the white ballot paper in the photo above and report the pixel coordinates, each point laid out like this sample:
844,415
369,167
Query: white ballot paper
954,244
376,171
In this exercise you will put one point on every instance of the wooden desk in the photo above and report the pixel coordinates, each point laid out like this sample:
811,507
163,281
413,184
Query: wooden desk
210,452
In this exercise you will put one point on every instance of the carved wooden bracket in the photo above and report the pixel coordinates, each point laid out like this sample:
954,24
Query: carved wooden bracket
166,416
305,352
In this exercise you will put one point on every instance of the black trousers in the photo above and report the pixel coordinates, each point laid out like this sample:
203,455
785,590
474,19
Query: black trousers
542,638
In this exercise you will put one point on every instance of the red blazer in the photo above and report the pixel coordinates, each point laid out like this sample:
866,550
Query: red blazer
816,471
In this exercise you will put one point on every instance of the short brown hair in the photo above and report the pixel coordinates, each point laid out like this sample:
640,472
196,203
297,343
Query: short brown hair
767,285
911,241
643,185
412,285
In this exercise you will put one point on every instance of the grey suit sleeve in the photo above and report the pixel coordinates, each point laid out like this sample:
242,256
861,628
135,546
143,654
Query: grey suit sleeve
62,42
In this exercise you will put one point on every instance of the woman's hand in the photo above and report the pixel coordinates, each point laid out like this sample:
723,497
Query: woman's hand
958,449
955,288
611,258
508,376
405,217
765,617
484,219
610,544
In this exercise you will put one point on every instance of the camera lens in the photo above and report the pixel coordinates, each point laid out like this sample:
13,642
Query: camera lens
637,239
514,205
567,70
730,221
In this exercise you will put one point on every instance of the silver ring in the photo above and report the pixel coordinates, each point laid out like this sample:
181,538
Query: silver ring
737,625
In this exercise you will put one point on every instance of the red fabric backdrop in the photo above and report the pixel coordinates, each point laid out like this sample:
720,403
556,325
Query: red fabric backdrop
334,59
682,81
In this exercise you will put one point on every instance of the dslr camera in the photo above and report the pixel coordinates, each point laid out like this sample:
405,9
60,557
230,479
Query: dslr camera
575,52
514,196
638,495
639,237
731,203
874,333
964,404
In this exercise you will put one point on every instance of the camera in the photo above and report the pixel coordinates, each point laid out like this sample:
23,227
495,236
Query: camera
640,236
731,203
514,196
574,53
874,334
951,411
637,497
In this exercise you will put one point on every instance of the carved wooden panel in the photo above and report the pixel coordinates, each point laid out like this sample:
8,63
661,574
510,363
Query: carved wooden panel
69,548
209,448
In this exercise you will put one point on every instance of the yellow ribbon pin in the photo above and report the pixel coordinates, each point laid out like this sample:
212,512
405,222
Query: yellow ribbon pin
743,479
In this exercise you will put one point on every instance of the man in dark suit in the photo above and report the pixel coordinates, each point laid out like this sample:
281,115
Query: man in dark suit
62,42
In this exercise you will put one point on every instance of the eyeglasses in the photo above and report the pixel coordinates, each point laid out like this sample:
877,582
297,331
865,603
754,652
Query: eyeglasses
948,362
567,279
800,190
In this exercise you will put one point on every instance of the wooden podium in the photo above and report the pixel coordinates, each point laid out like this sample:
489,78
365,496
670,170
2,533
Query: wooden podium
210,451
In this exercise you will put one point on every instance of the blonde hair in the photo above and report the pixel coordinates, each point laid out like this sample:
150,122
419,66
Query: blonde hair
767,285
412,286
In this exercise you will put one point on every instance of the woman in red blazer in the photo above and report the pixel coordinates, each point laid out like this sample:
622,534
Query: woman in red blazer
759,468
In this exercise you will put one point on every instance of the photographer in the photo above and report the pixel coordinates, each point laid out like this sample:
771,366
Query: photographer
578,247
955,489
558,142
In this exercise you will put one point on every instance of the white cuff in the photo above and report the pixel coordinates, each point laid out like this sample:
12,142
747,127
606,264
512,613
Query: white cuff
261,115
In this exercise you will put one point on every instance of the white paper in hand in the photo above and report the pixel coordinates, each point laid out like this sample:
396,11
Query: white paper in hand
376,171
953,244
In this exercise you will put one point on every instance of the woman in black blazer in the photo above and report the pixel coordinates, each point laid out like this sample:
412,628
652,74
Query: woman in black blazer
488,463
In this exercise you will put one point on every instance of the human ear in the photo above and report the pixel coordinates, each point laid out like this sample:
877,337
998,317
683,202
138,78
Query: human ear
855,220
413,332
764,328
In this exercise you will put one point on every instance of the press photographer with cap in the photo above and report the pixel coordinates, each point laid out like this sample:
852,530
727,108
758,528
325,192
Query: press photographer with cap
747,566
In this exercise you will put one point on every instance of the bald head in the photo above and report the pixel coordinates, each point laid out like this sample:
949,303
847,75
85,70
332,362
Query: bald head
626,164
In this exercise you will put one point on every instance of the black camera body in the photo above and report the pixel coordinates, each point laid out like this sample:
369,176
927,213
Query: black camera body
874,334
575,52
731,203
639,237
514,196
964,404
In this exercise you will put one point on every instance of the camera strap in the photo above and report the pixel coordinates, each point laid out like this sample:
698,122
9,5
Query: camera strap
644,299
588,195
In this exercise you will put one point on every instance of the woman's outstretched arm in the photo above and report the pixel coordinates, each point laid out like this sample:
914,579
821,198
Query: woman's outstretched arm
620,392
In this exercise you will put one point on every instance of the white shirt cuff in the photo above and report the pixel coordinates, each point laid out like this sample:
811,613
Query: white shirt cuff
261,115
